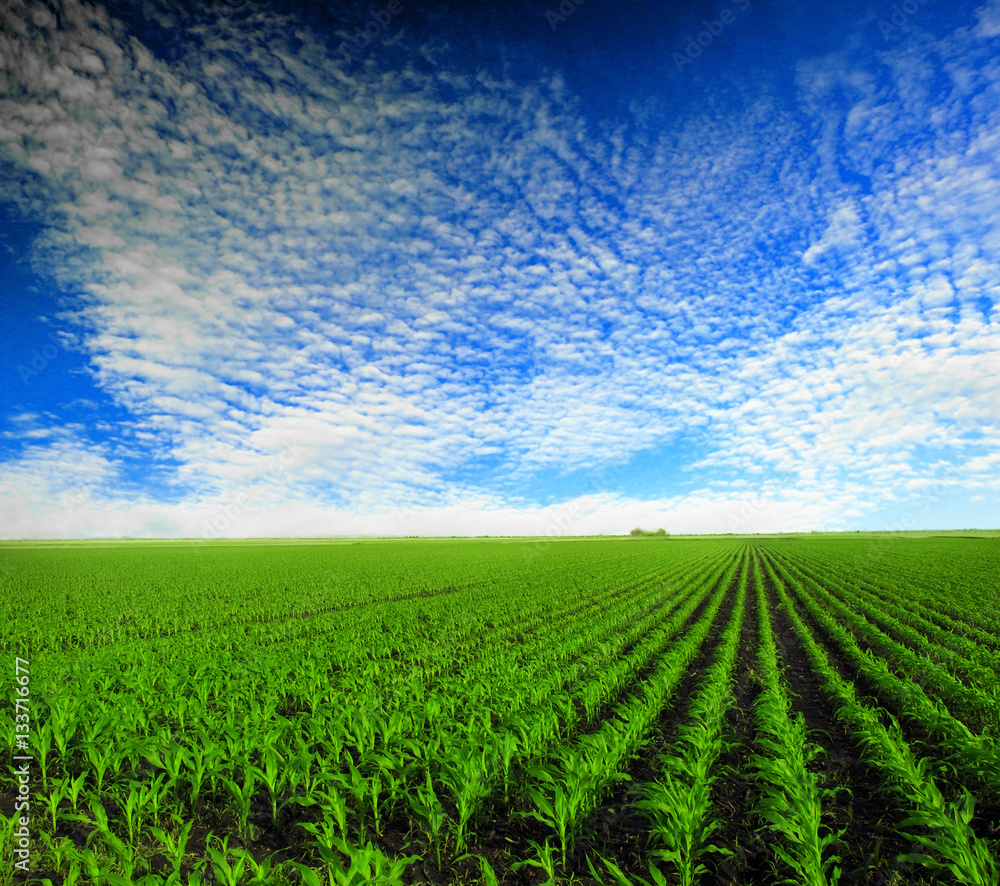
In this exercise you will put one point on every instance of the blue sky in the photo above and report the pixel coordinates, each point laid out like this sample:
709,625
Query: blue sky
518,268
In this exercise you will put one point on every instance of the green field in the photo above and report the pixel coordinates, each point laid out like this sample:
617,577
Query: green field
650,710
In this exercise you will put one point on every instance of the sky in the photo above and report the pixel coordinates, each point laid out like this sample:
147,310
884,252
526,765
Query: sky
527,268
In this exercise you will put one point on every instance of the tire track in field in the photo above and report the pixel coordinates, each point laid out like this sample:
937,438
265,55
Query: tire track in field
198,628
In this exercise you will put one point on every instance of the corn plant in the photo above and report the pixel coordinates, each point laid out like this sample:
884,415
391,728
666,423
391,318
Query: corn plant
229,873
966,859
977,755
57,848
367,864
259,872
134,800
566,793
360,788
619,877
43,740
466,778
175,845
122,856
324,831
201,760
298,768
330,798
241,796
98,873
545,860
99,757
271,774
63,716
679,806
487,876
170,757
392,774
74,786
430,814
100,817
508,747
556,805
125,855
679,803
57,793
8,825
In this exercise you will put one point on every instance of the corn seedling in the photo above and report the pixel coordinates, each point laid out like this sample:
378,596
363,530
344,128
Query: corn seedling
229,873
56,849
952,842
619,878
175,846
466,778
367,865
99,758
98,873
58,791
43,749
241,796
487,875
271,775
430,814
545,860
790,796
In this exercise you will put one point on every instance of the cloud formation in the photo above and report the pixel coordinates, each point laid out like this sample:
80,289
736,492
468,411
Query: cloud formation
444,289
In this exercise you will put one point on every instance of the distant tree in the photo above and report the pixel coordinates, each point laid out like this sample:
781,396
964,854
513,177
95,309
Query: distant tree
637,532
661,532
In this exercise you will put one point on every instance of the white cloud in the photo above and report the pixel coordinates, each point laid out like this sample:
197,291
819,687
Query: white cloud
843,233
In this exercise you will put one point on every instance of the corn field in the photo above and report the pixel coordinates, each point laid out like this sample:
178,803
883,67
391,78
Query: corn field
659,711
